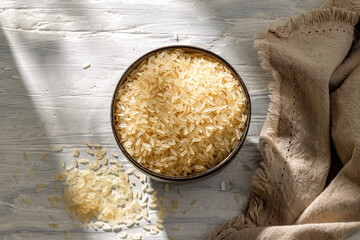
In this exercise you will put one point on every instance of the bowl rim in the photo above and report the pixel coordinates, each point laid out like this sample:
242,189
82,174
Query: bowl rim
194,177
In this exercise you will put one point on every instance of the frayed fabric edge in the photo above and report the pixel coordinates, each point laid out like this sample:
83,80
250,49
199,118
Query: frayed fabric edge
261,180
283,28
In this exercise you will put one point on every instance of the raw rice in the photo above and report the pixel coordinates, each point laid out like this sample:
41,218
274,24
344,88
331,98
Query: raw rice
55,205
84,161
176,204
57,149
193,203
97,145
93,225
184,110
105,194
146,227
99,224
159,225
187,211
154,230
181,192
107,228
86,66
137,236
75,152
237,198
159,220
123,235
44,157
88,144
15,173
90,152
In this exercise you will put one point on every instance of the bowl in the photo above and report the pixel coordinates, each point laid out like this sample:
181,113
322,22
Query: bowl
194,177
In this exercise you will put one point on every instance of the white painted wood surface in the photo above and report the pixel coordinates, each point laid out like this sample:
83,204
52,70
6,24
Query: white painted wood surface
47,99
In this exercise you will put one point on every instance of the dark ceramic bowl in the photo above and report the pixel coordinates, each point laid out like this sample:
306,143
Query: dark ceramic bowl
198,176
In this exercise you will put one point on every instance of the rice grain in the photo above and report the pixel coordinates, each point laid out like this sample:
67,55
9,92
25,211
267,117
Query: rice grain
178,113
44,157
26,156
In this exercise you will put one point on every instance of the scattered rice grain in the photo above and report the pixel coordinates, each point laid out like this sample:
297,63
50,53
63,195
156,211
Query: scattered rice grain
15,173
53,225
78,225
75,152
146,227
137,236
193,203
84,161
149,190
159,226
57,149
115,155
176,204
187,211
86,66
44,157
225,185
107,228
97,145
237,198
112,161
181,192
123,235
90,152
88,144
76,163
99,224
63,164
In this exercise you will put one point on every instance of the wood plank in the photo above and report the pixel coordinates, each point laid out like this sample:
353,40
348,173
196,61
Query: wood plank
47,99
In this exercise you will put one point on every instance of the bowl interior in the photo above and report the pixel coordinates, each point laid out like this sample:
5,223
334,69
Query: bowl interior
194,177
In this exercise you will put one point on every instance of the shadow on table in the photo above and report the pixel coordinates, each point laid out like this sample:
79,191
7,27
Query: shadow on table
214,206
24,207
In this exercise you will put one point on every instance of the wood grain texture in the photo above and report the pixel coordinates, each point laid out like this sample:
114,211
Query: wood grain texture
47,99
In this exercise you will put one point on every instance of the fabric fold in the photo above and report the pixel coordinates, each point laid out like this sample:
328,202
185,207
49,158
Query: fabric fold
306,55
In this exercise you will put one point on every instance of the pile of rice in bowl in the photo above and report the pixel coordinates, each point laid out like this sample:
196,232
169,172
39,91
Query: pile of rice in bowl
180,113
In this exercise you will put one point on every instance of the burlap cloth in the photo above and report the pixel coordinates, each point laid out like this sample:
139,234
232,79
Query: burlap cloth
315,104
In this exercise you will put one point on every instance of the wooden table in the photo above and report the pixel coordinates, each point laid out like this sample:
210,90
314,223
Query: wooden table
47,99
